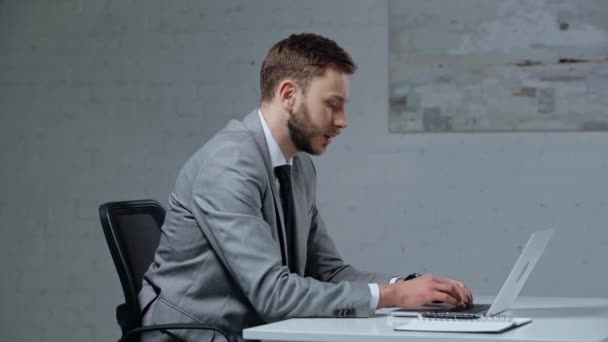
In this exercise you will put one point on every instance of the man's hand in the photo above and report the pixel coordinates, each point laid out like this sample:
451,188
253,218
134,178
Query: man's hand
425,289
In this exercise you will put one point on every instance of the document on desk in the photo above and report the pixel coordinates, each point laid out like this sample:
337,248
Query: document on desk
480,325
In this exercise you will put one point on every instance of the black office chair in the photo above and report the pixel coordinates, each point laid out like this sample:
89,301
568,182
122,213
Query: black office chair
132,231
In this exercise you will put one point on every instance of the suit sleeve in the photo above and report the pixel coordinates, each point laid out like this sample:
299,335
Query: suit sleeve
227,203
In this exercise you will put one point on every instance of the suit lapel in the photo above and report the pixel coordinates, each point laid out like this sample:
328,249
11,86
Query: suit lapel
253,124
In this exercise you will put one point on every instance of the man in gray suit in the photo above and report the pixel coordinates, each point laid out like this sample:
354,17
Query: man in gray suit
243,242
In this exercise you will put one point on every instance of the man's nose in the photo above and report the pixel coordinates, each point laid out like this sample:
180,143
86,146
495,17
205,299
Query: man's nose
340,121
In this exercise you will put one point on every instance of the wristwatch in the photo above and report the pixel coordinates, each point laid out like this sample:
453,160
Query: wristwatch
412,276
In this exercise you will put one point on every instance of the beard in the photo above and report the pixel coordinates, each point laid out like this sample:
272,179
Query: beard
302,131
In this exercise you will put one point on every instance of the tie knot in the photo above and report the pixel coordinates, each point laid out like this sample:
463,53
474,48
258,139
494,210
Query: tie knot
283,172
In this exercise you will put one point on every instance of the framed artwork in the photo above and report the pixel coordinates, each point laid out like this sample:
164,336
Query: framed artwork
498,65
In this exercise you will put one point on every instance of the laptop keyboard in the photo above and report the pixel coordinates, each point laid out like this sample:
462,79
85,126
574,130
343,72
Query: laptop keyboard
477,308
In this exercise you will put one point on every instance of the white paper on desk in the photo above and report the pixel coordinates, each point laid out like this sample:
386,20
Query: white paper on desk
470,326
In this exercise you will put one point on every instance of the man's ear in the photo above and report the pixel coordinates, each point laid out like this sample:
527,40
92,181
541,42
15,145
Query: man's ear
286,92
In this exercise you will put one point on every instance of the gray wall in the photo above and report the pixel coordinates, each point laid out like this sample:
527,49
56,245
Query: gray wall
104,100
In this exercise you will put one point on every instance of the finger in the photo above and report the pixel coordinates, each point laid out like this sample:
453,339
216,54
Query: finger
446,298
452,290
469,294
462,292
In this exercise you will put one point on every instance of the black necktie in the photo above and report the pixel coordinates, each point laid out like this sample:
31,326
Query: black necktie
283,173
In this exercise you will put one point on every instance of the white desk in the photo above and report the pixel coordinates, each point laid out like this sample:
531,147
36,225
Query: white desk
555,319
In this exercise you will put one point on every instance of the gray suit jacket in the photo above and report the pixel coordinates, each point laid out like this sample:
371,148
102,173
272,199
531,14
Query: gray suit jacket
219,258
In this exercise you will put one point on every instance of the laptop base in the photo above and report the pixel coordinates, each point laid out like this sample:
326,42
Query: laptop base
413,312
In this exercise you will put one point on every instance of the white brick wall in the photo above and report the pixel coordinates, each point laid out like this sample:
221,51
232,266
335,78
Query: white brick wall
104,100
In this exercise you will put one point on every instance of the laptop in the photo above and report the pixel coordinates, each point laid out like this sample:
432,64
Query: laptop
510,289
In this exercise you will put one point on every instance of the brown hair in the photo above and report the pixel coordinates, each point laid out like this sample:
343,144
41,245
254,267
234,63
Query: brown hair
301,57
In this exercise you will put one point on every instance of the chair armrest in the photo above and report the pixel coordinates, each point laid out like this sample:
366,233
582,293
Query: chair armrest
177,326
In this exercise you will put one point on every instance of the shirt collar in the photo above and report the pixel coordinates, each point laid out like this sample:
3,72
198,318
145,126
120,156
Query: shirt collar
276,155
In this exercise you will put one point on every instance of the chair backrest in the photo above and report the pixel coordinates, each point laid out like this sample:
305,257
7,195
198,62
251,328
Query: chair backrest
132,231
